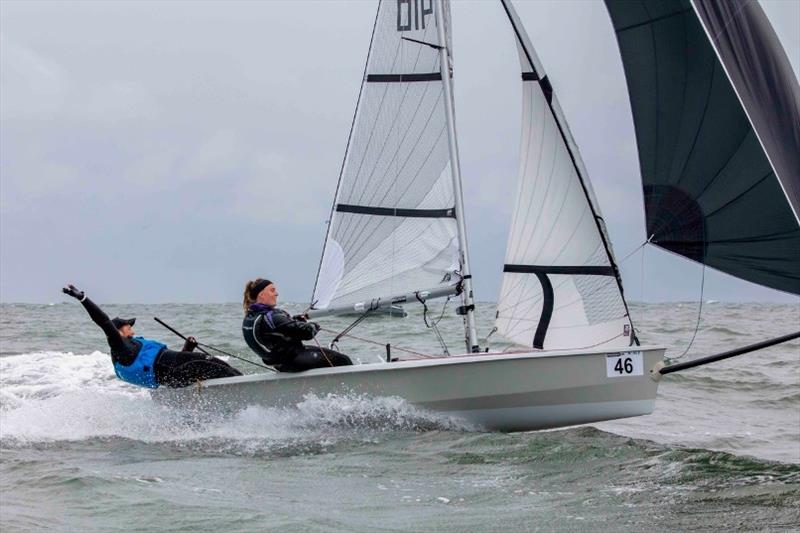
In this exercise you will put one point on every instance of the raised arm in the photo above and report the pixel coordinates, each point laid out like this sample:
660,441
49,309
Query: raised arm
98,317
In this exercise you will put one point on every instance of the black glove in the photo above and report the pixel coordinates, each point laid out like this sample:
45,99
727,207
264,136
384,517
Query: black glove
74,292
301,318
189,345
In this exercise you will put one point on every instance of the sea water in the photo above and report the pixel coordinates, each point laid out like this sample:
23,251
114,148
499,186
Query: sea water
83,451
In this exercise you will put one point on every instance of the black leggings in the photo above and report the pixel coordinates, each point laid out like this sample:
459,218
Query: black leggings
179,369
314,357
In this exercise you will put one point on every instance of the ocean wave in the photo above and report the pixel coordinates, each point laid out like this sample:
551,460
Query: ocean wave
656,466
702,467
735,380
788,400
722,330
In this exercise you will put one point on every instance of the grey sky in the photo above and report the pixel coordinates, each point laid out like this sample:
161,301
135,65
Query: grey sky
157,151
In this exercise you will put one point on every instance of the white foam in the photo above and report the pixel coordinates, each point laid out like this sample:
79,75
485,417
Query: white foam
56,396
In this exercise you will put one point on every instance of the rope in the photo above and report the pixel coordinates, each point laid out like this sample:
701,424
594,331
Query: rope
181,335
321,349
699,313
514,350
637,249
223,352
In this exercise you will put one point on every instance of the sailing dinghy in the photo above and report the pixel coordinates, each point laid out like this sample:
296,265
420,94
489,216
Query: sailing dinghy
397,235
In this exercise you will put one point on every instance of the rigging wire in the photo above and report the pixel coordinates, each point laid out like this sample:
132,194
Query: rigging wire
641,280
650,238
369,341
434,324
494,330
346,330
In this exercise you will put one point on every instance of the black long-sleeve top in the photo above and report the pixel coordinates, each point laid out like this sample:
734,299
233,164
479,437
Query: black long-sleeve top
290,331
123,349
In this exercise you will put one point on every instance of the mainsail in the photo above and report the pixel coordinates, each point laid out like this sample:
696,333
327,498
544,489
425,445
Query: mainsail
716,108
392,228
561,287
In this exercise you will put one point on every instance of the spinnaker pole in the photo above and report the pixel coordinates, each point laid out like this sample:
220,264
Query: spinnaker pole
468,308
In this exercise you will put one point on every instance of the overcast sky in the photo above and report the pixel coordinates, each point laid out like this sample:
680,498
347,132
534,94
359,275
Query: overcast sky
170,151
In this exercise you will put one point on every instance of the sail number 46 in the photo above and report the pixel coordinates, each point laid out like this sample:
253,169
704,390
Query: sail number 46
624,364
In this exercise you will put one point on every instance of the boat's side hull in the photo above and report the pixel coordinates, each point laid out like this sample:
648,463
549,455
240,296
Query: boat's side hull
506,392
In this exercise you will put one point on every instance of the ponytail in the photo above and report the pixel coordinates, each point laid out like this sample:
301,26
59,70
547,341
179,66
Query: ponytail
251,290
247,299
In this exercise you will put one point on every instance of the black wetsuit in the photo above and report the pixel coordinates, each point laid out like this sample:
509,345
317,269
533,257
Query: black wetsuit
171,368
276,337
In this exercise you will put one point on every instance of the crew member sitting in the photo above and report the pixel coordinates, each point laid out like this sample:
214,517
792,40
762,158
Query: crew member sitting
276,336
149,363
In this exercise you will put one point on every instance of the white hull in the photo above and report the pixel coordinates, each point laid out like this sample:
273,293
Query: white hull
499,391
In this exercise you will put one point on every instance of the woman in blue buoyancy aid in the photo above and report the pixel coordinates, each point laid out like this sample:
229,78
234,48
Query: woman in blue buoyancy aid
149,363
276,336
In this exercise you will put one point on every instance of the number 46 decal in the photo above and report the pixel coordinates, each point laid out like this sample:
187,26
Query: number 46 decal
624,364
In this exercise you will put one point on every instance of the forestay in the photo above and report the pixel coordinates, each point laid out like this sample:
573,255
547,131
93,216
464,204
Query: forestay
392,228
561,288
717,113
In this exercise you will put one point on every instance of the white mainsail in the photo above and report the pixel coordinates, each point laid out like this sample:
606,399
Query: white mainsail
393,229
561,288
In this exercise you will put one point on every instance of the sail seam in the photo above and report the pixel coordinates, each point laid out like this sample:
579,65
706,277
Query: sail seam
541,159
702,120
740,195
652,20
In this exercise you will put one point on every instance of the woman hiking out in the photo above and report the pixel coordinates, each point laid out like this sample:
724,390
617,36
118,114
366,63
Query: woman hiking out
149,363
276,336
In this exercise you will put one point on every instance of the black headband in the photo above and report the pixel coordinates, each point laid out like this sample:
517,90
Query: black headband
258,287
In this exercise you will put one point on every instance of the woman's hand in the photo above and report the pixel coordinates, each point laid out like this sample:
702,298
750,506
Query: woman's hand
74,292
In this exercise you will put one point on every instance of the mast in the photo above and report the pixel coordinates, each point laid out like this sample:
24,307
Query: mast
468,309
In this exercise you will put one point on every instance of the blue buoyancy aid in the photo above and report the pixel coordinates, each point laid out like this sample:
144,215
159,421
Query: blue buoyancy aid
141,371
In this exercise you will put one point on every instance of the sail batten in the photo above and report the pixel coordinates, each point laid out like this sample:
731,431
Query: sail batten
561,287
